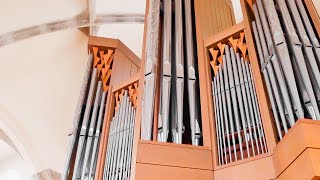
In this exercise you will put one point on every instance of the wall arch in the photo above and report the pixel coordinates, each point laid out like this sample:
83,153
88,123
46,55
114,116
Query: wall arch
12,135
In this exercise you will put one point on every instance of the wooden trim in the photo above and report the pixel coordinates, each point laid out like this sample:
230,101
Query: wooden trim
243,161
102,42
131,55
109,110
178,156
158,172
125,84
139,103
314,15
256,169
207,114
303,135
263,100
224,35
306,166
189,146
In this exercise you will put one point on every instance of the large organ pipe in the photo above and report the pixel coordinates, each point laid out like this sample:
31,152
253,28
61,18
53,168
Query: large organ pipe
91,131
77,120
179,113
286,39
83,131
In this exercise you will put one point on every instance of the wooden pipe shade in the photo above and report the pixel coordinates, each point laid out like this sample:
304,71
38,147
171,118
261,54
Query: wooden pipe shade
103,62
236,41
132,92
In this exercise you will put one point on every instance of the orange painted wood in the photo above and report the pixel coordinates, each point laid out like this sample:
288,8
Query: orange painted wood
139,101
304,134
157,172
315,16
207,115
207,23
262,96
121,68
134,69
251,169
306,166
223,36
126,83
169,154
105,43
104,135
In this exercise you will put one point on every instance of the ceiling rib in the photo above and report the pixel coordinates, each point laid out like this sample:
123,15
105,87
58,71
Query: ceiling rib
79,21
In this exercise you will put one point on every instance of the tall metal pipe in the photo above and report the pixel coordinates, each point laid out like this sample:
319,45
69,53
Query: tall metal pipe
150,70
88,146
225,113
244,117
223,126
234,101
266,78
271,59
83,131
214,88
77,120
97,136
245,96
284,58
163,121
177,123
230,113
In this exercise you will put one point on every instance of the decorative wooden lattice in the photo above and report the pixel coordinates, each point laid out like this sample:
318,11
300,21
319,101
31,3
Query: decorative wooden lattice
102,60
218,51
133,94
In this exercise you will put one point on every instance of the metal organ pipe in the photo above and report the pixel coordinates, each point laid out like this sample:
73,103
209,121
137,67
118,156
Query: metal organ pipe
179,105
286,36
77,120
234,81
119,152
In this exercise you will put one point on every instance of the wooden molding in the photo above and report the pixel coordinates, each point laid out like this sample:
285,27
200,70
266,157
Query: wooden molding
314,14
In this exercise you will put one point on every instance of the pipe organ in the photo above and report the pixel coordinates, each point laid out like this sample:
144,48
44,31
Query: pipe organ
104,69
119,149
289,54
214,99
239,128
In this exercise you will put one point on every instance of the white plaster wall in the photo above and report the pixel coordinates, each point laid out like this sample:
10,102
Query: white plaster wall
40,80
317,5
17,14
